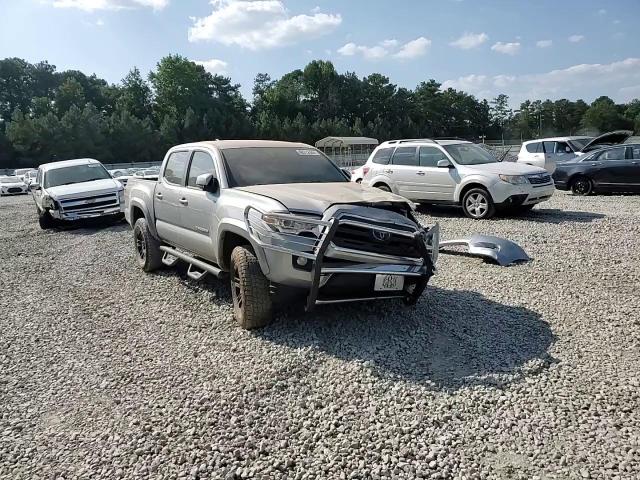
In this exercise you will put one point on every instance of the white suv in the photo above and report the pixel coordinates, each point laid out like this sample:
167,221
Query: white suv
456,172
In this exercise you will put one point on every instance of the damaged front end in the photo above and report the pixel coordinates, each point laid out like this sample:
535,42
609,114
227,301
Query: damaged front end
352,253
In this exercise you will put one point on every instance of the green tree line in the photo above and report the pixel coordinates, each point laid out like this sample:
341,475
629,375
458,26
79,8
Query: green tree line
48,115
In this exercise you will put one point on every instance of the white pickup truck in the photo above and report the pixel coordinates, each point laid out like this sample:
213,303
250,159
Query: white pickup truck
275,214
74,190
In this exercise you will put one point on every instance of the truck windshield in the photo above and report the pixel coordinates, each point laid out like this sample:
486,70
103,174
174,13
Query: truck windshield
276,165
75,174
469,154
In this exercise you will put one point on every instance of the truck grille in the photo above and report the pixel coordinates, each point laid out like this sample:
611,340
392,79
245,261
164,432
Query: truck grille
92,204
372,240
541,179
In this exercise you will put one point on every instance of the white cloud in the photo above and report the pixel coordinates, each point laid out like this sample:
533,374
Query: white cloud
620,80
602,11
544,43
576,38
93,5
214,66
510,48
470,40
259,24
414,48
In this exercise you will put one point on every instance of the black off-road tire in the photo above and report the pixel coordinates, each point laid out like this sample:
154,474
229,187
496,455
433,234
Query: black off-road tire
581,186
252,303
46,221
478,204
147,247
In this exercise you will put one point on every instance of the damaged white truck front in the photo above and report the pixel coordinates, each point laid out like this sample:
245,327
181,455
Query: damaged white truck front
278,214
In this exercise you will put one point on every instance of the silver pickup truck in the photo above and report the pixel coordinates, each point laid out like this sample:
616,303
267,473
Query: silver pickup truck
278,214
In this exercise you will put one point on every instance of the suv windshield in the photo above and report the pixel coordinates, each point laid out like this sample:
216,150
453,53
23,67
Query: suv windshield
75,174
277,165
469,154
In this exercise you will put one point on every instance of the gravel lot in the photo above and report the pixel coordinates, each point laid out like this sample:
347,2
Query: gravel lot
523,372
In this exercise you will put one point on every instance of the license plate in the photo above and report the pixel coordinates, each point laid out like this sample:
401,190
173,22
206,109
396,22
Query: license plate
388,283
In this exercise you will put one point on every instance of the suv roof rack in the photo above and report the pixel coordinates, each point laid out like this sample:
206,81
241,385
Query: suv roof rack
410,140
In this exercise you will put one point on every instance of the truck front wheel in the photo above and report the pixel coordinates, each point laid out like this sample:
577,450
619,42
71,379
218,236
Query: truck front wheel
252,305
148,253
45,220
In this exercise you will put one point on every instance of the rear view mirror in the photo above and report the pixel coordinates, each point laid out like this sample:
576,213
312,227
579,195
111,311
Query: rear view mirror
444,163
34,186
207,182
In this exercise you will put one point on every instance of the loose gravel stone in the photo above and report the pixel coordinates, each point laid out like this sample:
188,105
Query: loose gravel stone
530,371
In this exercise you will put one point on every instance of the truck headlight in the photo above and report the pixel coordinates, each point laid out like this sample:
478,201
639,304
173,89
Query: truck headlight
48,202
514,179
292,224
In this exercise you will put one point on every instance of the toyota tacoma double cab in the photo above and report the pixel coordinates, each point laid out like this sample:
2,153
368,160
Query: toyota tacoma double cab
273,214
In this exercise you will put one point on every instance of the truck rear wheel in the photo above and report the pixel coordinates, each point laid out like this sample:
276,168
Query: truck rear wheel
148,253
252,305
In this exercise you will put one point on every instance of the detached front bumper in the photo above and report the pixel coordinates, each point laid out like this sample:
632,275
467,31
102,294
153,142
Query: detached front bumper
333,274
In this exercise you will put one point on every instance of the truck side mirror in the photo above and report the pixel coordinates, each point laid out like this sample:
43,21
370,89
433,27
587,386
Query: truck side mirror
444,163
207,182
34,186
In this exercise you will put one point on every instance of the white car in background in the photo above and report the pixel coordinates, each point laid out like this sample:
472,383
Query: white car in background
20,172
547,152
456,172
30,176
12,186
357,175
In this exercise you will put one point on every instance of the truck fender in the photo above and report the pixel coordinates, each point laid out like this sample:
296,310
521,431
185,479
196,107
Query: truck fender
238,227
151,221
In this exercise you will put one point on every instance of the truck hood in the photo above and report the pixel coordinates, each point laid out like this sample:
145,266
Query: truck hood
96,187
505,168
317,197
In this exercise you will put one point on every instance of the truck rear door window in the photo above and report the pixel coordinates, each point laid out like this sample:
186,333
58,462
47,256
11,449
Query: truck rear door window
176,168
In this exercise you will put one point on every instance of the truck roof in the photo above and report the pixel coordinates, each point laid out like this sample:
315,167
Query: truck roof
229,144
68,163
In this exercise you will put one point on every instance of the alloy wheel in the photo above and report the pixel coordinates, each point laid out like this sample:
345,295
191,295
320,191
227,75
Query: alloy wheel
236,289
141,245
477,205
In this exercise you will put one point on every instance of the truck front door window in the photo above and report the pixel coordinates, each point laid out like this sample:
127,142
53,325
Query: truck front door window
201,163
176,168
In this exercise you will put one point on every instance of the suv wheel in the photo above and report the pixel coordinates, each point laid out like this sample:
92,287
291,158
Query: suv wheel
582,186
252,305
477,204
148,253
383,187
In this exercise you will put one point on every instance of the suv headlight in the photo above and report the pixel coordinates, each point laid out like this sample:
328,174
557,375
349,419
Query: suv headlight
514,179
48,202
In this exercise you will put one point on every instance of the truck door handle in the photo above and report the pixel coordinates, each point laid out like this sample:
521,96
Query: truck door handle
420,173
159,196
184,201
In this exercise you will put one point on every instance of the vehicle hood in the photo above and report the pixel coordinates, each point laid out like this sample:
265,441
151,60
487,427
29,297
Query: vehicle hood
504,168
609,138
317,197
96,187
12,185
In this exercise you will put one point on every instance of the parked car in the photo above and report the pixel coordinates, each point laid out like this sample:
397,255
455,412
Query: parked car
357,175
20,173
30,177
456,172
75,189
118,172
611,169
276,214
12,186
146,174
548,152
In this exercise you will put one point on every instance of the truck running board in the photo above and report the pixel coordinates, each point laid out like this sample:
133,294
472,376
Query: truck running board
169,260
204,267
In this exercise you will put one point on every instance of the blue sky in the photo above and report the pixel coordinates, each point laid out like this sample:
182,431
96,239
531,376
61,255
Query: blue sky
526,49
